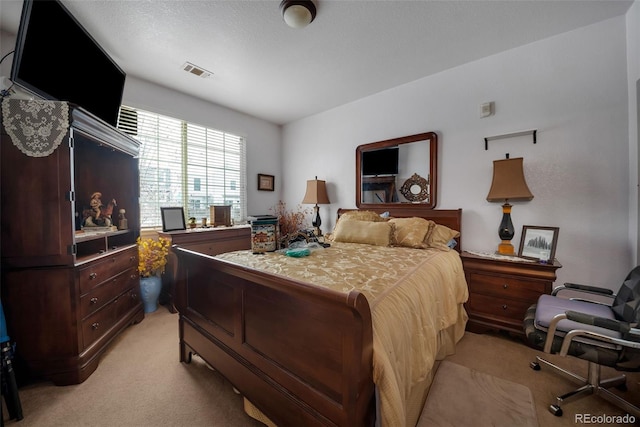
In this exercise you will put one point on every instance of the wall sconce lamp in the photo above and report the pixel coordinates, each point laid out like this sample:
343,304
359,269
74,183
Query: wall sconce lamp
508,184
298,13
316,194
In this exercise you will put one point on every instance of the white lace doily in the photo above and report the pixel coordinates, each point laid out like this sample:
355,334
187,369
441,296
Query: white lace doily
36,127
498,256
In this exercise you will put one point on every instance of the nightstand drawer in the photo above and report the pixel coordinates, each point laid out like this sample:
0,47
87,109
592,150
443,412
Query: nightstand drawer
498,307
503,286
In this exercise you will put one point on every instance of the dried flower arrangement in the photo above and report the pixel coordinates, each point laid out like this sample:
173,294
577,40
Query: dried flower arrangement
290,221
152,256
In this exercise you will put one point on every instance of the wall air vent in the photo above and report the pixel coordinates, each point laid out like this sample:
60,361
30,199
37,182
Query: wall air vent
198,71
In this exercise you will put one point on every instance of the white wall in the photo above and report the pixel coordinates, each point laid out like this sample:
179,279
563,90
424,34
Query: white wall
633,71
572,88
263,138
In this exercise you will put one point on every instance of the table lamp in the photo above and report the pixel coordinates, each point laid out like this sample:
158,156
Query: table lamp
508,184
316,194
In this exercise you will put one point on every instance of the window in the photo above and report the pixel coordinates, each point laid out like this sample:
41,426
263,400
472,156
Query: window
187,165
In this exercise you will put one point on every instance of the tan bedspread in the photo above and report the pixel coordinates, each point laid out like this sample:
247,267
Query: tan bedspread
416,297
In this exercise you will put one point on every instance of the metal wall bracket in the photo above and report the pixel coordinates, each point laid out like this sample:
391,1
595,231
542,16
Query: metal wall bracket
510,135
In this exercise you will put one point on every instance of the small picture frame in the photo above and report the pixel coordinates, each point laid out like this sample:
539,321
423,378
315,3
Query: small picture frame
538,243
173,219
265,182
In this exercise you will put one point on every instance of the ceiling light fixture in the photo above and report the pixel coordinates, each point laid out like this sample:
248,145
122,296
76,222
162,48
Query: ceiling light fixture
298,13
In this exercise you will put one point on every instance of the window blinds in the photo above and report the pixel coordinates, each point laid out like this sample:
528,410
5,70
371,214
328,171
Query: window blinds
183,164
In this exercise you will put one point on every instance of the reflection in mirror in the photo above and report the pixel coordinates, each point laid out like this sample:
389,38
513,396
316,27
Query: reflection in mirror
400,170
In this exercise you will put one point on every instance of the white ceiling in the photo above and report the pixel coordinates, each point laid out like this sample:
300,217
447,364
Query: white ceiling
353,48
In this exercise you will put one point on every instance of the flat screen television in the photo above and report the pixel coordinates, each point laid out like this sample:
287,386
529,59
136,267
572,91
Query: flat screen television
57,59
380,162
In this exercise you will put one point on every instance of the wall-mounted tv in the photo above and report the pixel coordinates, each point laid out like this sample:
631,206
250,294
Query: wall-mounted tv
57,59
380,162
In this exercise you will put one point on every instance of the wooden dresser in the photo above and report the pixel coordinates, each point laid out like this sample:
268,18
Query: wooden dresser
67,293
210,241
501,291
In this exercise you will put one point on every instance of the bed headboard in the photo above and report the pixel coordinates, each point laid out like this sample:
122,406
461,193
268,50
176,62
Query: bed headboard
451,218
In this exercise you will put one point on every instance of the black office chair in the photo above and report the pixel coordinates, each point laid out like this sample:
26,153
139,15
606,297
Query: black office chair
604,331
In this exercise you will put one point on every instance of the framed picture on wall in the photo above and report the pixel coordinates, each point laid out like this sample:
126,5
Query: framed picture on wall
265,182
538,242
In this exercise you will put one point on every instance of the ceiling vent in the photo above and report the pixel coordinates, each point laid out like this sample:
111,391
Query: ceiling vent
198,71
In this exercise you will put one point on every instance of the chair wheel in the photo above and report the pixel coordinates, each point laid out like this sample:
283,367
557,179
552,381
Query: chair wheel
535,366
555,410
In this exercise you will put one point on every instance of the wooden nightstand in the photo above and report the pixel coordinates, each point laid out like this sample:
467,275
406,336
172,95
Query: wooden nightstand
501,291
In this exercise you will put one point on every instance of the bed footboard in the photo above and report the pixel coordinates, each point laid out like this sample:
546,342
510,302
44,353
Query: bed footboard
301,354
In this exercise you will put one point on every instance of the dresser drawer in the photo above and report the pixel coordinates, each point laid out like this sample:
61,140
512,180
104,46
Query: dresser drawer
498,307
504,286
127,301
94,326
97,272
107,291
215,248
98,323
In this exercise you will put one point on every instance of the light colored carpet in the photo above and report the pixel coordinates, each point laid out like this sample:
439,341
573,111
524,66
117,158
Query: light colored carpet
461,396
140,382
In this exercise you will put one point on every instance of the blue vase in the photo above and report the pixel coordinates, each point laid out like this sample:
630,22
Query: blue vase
150,288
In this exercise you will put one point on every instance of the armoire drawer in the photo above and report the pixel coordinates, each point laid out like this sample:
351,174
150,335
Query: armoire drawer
107,291
98,323
99,271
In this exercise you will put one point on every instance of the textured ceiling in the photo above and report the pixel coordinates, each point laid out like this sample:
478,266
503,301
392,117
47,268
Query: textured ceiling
353,48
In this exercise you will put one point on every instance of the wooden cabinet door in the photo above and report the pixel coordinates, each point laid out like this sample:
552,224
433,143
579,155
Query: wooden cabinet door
36,206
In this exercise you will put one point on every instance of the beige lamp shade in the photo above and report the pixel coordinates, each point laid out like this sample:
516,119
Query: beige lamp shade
508,181
316,192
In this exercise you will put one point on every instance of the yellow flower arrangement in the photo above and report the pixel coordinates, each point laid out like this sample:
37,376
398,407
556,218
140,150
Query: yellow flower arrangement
152,256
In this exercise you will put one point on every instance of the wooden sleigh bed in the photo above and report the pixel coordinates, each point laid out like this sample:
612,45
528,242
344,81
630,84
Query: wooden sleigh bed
300,354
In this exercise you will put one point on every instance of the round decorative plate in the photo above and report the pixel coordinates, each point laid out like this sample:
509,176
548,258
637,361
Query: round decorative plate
415,189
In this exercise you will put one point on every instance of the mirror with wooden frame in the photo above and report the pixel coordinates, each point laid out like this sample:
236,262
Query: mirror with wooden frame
396,171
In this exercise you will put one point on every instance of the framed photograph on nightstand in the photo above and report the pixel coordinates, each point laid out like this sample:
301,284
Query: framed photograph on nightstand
538,242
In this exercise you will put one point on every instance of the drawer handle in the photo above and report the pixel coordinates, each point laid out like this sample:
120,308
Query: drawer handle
95,325
504,306
93,276
505,286
133,258
93,300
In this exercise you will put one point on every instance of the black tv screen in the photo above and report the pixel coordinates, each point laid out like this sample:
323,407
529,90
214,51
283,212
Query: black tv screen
57,59
380,162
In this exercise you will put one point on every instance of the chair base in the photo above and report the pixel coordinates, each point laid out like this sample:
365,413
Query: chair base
590,385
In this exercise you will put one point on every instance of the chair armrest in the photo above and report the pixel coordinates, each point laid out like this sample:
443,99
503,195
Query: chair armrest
595,290
587,319
601,322
564,350
623,327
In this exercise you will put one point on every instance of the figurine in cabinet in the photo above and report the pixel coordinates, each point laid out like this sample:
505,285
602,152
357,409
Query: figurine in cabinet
98,215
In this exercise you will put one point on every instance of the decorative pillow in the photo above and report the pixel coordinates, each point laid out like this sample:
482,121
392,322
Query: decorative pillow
440,237
362,216
411,232
367,232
